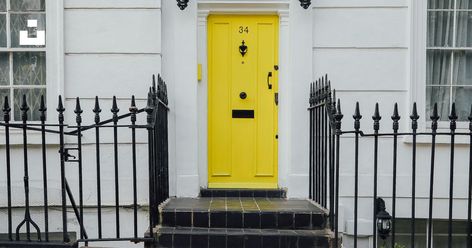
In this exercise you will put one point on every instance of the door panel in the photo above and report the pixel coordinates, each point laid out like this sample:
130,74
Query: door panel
242,51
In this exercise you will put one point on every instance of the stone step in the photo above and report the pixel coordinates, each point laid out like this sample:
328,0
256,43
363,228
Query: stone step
234,212
270,193
180,237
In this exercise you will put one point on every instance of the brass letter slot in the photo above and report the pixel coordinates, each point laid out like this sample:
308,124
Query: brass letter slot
237,113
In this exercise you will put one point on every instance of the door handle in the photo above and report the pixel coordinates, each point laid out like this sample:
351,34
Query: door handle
269,75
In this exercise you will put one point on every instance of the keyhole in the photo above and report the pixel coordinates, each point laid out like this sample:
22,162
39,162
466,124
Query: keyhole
243,95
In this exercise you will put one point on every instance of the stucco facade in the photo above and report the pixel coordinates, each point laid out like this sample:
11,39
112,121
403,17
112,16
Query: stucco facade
372,50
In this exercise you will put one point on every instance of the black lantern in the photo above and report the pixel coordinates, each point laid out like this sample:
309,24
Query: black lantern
384,220
305,3
182,4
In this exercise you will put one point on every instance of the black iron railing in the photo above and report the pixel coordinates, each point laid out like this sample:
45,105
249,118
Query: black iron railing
325,126
155,127
325,144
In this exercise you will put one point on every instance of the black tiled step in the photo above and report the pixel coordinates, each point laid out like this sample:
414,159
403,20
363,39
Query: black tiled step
270,193
258,213
180,237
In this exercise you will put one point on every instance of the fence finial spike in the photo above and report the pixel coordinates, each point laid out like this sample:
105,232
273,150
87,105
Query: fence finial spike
153,83
434,116
24,104
453,114
42,104
338,107
42,109
6,105
114,107
96,108
6,110
376,116
357,113
357,116
395,116
150,101
133,101
78,108
414,113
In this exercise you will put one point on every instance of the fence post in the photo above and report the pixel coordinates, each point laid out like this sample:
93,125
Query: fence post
6,117
337,117
151,144
376,117
60,109
97,111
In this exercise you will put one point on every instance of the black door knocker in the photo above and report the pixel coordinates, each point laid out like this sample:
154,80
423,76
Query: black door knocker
243,48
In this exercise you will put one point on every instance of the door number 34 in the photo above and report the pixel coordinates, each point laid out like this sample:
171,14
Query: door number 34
243,29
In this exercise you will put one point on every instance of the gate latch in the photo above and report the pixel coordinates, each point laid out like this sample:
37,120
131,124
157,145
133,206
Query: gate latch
68,156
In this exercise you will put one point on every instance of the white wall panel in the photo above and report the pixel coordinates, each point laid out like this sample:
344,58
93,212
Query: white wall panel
108,75
363,69
359,3
360,27
112,4
113,31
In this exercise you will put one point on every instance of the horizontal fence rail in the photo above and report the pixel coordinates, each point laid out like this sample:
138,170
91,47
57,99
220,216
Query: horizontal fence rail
325,164
72,152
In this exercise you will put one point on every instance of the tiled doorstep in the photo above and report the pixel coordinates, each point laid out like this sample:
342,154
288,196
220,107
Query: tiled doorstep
236,237
286,214
272,193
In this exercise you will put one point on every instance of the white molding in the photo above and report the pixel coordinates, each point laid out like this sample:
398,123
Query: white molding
236,7
418,16
360,4
243,6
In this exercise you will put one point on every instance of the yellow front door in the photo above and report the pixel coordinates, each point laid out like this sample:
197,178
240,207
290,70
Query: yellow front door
242,95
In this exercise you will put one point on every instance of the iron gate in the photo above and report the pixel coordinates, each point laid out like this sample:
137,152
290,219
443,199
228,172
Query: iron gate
27,232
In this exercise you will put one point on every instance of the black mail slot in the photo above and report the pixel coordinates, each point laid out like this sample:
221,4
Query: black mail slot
240,113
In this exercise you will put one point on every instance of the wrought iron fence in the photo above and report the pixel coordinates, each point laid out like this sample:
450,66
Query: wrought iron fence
326,144
155,127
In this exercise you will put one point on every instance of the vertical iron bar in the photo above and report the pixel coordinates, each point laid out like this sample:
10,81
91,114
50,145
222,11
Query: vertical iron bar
150,128
97,111
133,111
60,110
78,111
395,118
434,127
376,117
322,155
414,126
6,118
338,117
357,117
24,116
325,143
310,166
42,117
317,154
115,111
332,132
452,117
